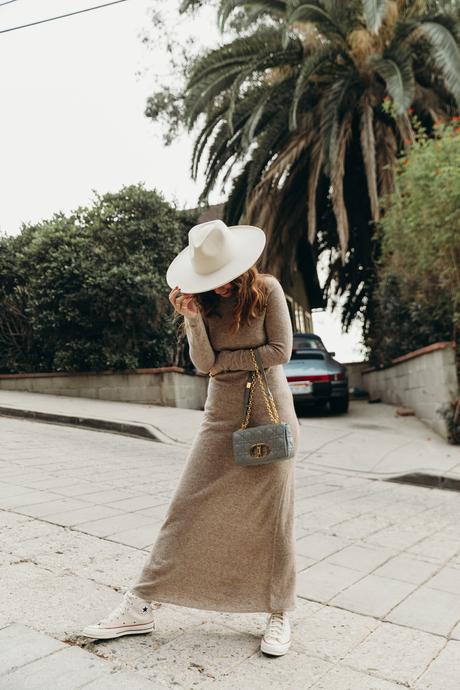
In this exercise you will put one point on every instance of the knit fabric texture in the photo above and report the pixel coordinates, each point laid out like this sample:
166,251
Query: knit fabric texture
227,541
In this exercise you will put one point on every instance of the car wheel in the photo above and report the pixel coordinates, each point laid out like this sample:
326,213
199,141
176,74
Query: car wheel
339,405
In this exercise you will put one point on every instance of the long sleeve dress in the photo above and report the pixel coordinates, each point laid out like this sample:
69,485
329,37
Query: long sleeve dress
227,541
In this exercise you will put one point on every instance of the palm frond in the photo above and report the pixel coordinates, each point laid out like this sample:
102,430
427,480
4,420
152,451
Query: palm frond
315,13
368,150
316,163
309,67
269,142
373,11
446,53
274,8
197,101
289,154
203,137
395,68
386,154
238,52
234,208
279,92
337,178
332,110
266,60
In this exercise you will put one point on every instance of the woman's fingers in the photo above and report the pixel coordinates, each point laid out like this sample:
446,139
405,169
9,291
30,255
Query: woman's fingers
183,303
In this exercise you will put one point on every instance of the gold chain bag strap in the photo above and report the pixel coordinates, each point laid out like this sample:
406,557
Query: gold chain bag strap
264,443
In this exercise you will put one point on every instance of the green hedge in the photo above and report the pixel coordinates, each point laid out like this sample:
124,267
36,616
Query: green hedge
418,293
87,291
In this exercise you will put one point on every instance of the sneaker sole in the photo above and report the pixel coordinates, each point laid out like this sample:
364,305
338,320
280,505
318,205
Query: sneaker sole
117,632
279,650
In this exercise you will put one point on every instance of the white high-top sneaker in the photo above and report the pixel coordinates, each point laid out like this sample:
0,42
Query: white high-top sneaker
276,639
133,616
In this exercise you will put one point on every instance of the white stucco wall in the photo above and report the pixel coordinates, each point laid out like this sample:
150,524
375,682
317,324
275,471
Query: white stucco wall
423,380
159,387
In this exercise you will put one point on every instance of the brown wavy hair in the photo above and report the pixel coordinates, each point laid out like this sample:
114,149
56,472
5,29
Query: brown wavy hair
251,299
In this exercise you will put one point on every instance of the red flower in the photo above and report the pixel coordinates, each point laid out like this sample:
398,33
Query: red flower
456,118
410,111
407,142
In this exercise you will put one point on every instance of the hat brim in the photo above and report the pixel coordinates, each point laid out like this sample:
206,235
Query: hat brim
249,239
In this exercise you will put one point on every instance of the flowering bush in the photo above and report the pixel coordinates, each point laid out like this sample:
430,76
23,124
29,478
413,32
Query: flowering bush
418,293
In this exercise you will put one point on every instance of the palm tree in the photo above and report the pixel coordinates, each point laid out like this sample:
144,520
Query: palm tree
307,111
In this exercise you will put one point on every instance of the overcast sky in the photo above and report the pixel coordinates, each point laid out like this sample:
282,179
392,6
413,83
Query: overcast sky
72,118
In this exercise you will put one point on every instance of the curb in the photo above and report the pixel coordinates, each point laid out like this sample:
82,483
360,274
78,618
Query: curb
145,431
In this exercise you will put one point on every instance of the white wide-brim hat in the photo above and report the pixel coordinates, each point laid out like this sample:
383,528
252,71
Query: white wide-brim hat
216,254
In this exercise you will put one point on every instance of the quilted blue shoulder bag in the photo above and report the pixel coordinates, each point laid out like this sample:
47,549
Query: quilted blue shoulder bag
264,443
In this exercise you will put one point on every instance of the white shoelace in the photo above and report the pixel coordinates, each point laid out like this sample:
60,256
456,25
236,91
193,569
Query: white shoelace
275,626
117,611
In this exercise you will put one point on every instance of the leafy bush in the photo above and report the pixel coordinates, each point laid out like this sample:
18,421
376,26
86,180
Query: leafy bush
418,293
87,291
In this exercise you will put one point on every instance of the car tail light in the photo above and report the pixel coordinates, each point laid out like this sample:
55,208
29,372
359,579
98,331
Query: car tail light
318,377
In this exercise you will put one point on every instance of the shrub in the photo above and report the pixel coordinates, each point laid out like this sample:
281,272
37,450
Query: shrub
418,293
87,291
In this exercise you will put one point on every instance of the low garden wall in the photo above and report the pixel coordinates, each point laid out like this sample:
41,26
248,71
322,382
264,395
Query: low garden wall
424,380
172,386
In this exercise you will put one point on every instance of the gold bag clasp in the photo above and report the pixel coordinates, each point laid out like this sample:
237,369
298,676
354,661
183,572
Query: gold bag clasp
259,450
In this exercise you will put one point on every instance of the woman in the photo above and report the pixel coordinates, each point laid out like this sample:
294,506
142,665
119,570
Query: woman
227,542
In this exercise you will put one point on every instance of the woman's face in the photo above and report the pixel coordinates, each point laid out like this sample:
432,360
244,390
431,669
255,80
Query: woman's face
224,290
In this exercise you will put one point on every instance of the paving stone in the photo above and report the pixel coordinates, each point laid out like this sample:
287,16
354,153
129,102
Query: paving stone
385,653
344,678
303,562
122,681
324,580
361,526
373,595
360,558
397,537
139,537
137,503
20,645
428,609
71,552
27,499
447,579
75,517
407,569
76,489
67,669
205,651
107,526
49,507
319,545
106,495
331,633
56,604
293,671
444,671
12,536
437,547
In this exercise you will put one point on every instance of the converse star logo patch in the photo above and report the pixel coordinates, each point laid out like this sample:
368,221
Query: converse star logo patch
145,609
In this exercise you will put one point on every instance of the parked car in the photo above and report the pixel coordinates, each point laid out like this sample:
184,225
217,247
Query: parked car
314,376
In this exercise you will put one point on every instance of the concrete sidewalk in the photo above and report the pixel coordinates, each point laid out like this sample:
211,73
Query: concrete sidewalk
378,573
369,441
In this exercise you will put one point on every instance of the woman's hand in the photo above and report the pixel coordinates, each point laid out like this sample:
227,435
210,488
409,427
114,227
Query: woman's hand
183,303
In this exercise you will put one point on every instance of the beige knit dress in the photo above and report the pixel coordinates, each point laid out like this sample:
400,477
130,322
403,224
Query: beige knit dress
227,541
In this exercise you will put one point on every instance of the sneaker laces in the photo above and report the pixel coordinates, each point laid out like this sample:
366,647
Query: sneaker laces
121,608
275,625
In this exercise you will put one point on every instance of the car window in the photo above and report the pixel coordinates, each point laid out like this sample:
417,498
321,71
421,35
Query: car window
306,343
